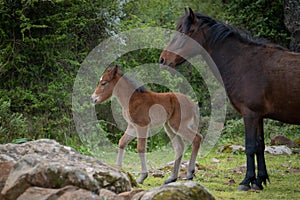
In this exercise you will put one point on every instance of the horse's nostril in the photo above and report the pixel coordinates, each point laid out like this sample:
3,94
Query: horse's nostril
161,60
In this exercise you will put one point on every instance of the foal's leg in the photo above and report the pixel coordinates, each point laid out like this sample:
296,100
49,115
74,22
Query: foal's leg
141,148
262,175
178,146
192,136
195,148
251,122
128,136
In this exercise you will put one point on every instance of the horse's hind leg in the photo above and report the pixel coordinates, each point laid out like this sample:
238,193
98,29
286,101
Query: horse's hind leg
178,146
262,175
195,148
190,134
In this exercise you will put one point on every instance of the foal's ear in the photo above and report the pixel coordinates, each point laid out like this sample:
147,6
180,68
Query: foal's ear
114,71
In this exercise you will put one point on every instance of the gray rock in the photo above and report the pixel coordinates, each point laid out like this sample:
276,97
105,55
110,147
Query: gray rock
47,164
46,170
68,192
176,191
278,150
281,140
107,194
232,149
129,195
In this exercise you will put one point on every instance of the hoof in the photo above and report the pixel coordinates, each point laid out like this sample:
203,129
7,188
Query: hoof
256,187
170,180
142,177
244,187
189,177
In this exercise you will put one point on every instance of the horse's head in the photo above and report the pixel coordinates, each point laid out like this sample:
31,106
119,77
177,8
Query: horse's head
106,85
190,31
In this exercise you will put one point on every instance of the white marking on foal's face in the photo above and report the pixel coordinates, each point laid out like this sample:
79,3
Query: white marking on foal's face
101,78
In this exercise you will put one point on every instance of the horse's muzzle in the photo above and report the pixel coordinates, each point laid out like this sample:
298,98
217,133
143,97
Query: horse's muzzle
163,61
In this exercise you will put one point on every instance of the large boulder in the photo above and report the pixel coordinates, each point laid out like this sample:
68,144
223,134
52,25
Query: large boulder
176,191
45,170
47,164
65,193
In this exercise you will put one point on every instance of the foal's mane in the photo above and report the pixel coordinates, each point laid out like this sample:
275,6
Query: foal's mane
138,88
218,31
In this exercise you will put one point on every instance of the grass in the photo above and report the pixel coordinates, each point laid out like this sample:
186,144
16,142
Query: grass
221,173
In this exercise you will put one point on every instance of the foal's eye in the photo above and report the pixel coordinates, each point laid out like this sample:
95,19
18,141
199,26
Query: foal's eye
104,83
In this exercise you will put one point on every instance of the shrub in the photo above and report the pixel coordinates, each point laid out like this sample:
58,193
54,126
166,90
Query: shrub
13,125
262,18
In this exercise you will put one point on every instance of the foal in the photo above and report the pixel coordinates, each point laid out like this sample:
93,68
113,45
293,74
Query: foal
142,109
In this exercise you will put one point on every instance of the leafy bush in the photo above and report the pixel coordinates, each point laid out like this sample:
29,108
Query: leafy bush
262,18
44,42
12,125
234,132
42,46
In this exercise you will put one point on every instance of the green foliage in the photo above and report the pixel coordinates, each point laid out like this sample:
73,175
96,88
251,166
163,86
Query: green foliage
223,177
233,131
262,18
12,125
42,44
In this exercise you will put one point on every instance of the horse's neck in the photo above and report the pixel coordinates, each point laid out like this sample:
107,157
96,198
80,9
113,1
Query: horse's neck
231,58
228,54
123,92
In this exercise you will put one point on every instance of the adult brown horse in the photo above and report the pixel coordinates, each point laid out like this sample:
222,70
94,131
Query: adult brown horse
262,80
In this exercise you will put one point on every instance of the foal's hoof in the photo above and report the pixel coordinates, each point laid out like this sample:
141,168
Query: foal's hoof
142,177
190,176
244,187
170,180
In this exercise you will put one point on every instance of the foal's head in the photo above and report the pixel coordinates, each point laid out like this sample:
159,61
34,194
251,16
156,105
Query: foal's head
106,85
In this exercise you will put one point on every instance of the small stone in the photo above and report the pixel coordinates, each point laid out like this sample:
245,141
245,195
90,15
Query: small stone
278,150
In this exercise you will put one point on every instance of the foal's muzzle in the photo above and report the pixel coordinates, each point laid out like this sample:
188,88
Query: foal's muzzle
94,99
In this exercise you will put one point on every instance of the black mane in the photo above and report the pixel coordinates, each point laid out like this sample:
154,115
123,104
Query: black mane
218,31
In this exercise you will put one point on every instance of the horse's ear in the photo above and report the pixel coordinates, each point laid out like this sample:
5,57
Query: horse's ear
190,14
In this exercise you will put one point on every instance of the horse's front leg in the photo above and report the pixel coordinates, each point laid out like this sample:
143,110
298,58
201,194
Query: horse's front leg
141,148
251,122
262,175
128,136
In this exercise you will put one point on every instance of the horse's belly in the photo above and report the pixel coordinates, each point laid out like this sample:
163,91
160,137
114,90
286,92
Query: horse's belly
288,114
157,114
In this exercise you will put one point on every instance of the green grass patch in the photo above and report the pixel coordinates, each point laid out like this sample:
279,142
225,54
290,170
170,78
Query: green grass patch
221,173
